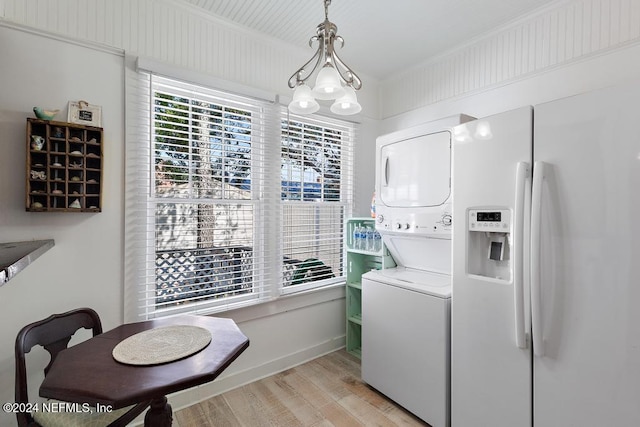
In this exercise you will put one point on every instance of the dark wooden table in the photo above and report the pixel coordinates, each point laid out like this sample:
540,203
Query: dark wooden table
87,372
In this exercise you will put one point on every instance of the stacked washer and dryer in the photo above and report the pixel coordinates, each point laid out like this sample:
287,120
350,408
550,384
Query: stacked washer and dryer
406,309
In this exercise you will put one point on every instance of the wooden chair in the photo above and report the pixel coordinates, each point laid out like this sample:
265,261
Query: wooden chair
54,334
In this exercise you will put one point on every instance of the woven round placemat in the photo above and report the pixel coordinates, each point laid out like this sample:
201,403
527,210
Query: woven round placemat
161,345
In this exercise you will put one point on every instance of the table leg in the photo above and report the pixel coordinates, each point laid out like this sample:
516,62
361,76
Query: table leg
159,414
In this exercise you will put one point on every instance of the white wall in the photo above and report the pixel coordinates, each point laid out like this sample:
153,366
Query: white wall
606,69
562,32
365,166
175,32
85,266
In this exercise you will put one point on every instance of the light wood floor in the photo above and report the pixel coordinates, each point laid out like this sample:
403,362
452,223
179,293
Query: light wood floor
326,391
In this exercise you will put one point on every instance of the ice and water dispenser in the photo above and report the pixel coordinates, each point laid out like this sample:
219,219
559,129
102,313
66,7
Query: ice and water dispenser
489,244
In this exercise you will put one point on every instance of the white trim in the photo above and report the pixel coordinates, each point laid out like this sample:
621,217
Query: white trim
488,35
171,71
191,397
285,303
559,34
297,296
83,43
232,380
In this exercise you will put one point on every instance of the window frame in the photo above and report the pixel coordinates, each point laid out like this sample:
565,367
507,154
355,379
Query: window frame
266,234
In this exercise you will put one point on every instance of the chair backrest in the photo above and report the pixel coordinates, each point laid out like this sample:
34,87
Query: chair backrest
54,334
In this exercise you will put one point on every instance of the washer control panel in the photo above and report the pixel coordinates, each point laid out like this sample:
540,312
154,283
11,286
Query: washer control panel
432,222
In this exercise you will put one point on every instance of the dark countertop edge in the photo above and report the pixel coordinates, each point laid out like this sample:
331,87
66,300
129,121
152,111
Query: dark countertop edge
16,256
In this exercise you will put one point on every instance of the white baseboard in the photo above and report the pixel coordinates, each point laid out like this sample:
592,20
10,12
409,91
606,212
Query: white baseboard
198,394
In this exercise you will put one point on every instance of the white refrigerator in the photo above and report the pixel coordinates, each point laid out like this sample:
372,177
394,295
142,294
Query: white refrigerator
546,265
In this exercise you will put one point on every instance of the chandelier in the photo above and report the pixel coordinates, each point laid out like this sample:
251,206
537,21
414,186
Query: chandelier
334,81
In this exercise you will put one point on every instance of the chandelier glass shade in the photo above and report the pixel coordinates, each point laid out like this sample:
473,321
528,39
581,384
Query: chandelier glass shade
303,101
347,104
334,79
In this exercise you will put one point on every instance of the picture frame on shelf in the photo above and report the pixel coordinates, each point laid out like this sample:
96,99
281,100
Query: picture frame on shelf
83,113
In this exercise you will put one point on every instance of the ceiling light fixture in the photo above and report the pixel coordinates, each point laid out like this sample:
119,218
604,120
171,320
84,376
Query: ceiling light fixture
335,80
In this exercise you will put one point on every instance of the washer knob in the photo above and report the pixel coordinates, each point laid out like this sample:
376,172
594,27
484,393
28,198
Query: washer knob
380,219
446,219
398,226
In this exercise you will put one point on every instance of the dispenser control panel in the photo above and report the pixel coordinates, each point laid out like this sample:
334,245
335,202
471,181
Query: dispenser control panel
490,220
489,241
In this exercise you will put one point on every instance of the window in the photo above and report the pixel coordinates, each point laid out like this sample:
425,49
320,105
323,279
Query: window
203,196
316,192
214,221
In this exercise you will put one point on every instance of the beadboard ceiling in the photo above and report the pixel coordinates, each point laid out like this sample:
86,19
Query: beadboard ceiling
381,37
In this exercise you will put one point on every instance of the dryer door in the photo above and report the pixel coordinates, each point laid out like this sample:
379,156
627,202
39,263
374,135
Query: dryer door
415,172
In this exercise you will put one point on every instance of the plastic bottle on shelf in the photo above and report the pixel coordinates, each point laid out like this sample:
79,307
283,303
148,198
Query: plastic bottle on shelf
354,237
377,238
358,238
369,239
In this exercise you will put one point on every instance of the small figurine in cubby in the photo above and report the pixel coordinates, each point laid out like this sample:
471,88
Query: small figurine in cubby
37,142
38,175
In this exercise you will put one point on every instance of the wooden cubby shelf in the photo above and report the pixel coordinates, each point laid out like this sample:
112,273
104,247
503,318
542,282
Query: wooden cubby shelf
64,167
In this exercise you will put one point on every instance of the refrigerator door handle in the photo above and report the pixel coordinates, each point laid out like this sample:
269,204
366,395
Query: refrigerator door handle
522,174
536,222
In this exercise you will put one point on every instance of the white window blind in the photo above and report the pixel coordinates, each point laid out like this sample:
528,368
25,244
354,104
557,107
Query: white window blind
229,201
205,195
317,194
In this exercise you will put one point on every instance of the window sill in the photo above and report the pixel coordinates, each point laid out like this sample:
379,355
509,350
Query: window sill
288,302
